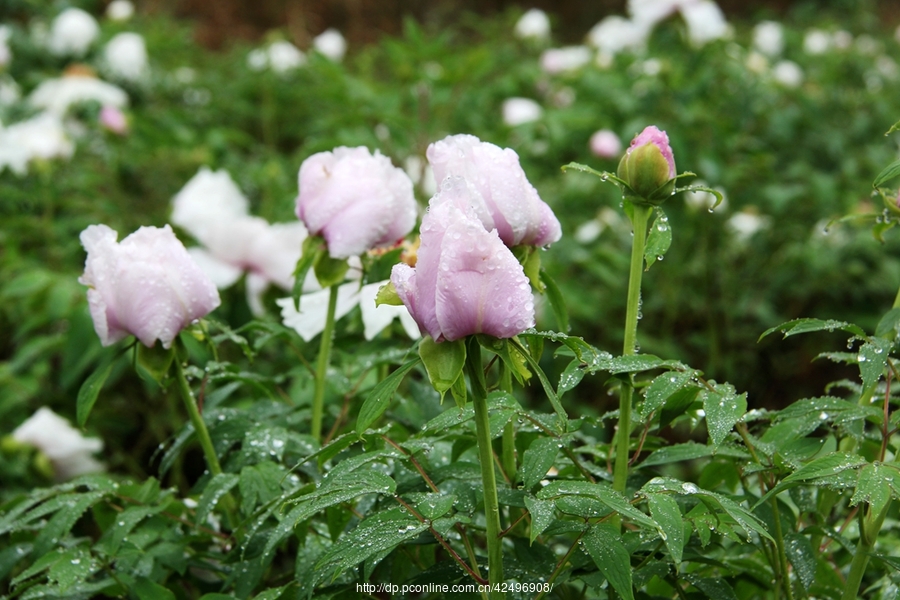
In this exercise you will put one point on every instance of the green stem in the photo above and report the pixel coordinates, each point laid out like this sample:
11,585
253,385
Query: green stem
782,556
508,454
486,458
322,365
869,528
623,430
190,403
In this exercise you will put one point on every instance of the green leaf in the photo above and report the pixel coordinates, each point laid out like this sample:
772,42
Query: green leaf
593,359
64,519
548,389
875,486
823,467
340,489
543,514
658,240
809,325
702,188
88,393
148,590
273,594
11,556
259,484
665,510
435,506
557,301
638,363
387,295
380,397
889,172
714,588
570,377
155,361
889,325
603,175
604,543
690,451
661,388
376,535
459,392
597,491
800,552
313,248
330,271
217,487
724,407
872,359
443,362
538,459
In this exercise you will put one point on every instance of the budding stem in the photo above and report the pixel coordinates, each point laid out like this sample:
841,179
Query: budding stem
322,365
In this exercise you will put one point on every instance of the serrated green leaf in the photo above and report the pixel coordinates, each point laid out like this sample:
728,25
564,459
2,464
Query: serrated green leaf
380,397
809,325
658,240
714,588
690,451
11,556
64,519
800,552
538,459
723,407
89,392
889,325
604,544
260,484
598,491
888,173
876,484
217,487
377,534
665,510
823,467
872,359
543,513
125,522
661,388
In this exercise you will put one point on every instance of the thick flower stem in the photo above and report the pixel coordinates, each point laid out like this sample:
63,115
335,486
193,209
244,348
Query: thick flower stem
488,478
869,527
623,430
322,364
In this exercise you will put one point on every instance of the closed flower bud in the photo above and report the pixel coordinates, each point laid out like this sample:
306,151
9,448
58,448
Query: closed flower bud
356,200
648,166
147,285
466,281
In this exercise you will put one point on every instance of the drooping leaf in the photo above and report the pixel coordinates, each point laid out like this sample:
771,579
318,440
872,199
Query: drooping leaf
543,513
604,543
872,359
723,407
661,388
800,552
557,301
380,397
538,459
89,392
690,451
665,510
600,492
809,325
823,467
658,240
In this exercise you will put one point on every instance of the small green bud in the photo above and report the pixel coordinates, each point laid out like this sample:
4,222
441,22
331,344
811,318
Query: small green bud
648,166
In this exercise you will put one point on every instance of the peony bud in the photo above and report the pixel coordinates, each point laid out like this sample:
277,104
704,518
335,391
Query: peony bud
466,281
507,202
356,200
648,166
147,285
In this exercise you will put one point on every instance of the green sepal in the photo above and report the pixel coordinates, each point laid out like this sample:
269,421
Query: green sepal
378,267
155,361
330,271
443,362
530,259
458,389
890,203
888,173
514,361
387,294
313,247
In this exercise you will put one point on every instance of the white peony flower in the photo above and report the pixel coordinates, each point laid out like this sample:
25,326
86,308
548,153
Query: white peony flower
284,56
41,136
561,60
517,111
746,224
534,25
331,44
9,91
70,453
768,38
72,32
615,33
120,10
57,95
126,56
705,21
816,42
788,73
650,12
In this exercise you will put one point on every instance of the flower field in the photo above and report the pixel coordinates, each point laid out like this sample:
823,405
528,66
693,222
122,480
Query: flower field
483,310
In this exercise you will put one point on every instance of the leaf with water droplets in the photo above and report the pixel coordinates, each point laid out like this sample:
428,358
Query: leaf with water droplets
800,552
89,392
661,388
889,325
377,534
872,358
538,459
217,487
64,519
658,240
604,544
380,397
434,506
259,484
714,588
570,377
542,377
543,513
598,491
808,325
820,469
723,407
667,513
637,363
690,451
875,485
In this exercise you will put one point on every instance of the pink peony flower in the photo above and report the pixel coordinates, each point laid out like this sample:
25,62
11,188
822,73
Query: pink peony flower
507,202
465,281
146,286
605,144
355,200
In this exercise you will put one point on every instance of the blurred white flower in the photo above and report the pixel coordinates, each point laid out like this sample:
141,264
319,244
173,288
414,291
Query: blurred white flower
757,63
842,39
648,13
561,60
120,10
70,453
57,95
215,212
126,56
9,91
705,21
258,59
887,67
41,136
651,67
331,44
517,111
768,38
72,32
745,224
615,33
788,73
310,321
816,42
534,24
605,144
5,52
284,56
606,218
588,231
